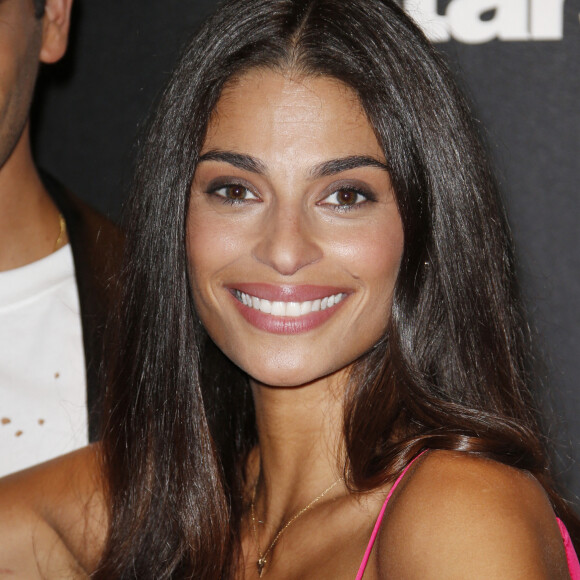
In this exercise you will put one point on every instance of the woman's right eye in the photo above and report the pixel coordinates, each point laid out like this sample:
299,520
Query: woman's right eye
234,193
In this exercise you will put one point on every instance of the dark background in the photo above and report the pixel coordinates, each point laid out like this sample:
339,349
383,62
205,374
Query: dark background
526,94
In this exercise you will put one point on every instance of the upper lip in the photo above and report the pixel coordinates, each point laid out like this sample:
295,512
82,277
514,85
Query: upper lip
287,292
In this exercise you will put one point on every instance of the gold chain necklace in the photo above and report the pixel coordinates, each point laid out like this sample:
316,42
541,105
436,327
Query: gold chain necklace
262,557
61,233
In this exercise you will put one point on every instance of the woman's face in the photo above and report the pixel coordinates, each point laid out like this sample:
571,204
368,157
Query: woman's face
294,236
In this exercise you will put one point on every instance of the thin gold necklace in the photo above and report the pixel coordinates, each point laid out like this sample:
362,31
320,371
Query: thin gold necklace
61,233
262,557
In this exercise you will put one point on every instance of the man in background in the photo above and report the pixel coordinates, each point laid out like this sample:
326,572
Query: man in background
58,259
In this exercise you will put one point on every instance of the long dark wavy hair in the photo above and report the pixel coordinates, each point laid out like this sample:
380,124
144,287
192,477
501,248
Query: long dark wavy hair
454,368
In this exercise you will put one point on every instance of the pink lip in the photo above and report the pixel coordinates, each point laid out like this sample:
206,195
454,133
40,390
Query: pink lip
287,324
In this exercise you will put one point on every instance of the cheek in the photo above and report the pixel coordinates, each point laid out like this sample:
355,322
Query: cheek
214,238
373,255
209,245
201,253
19,66
212,248
384,257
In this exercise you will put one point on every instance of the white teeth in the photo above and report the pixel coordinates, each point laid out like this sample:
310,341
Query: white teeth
293,309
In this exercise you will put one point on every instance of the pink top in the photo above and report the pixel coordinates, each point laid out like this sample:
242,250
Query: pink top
573,564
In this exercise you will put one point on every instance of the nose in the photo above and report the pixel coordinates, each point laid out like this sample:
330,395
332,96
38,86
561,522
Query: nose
286,242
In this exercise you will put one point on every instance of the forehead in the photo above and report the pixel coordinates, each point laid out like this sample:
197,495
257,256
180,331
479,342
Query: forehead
266,111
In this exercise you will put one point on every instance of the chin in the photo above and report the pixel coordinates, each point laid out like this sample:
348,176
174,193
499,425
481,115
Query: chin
282,378
291,376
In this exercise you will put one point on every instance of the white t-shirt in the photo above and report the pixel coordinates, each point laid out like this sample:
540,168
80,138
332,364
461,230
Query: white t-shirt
43,410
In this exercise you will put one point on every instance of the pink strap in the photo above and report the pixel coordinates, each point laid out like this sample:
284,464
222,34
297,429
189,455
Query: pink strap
377,527
573,564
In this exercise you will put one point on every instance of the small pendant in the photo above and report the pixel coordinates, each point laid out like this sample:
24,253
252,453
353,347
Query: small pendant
260,564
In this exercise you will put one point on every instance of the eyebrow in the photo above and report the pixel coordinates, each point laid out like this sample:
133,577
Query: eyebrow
335,166
326,169
239,160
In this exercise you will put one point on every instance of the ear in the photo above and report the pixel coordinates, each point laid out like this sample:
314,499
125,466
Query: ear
55,27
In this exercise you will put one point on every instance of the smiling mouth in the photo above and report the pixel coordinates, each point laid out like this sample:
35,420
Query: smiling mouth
288,309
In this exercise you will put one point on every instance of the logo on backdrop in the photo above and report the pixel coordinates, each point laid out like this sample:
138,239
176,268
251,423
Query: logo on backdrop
478,21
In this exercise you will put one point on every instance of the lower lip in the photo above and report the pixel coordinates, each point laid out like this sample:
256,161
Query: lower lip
286,324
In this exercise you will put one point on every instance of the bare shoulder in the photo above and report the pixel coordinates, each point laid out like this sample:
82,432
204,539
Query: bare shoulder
53,518
460,516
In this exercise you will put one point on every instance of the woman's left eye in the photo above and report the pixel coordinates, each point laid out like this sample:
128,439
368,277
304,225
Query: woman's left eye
345,198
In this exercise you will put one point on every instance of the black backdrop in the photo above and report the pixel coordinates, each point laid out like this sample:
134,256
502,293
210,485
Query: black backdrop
518,61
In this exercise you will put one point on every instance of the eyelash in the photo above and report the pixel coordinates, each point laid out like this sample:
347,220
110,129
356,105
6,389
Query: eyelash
365,195
228,200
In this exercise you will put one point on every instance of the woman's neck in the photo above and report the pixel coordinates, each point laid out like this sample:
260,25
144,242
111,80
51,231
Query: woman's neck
300,437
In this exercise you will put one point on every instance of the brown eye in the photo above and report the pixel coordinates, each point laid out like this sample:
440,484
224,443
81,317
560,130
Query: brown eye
235,192
346,198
